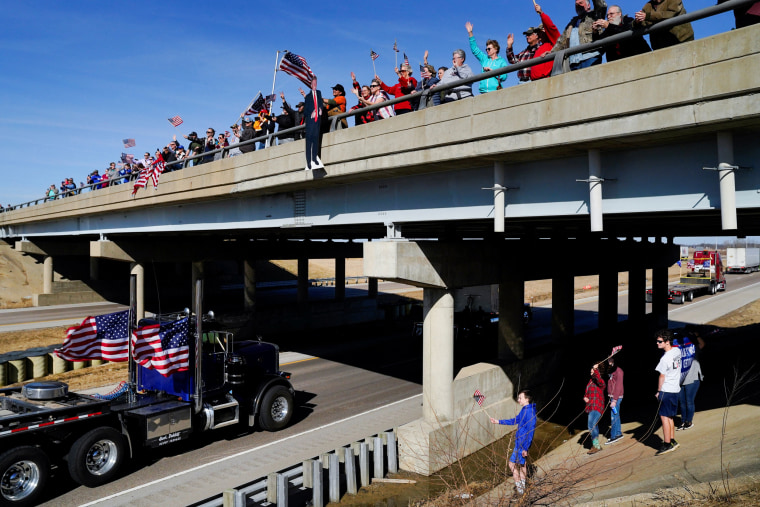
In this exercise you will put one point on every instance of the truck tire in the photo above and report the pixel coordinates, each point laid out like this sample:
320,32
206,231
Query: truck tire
276,408
24,472
690,297
96,457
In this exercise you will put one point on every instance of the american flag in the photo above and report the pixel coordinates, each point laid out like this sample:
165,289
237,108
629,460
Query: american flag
101,337
128,143
151,173
127,158
480,398
297,67
406,59
615,350
395,46
163,348
256,106
269,99
176,121
373,55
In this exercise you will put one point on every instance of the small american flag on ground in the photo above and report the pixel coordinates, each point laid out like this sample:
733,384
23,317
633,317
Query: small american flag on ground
176,121
102,337
373,55
163,348
128,143
480,398
297,67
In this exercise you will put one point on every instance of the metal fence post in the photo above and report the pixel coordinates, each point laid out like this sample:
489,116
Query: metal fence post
317,498
392,453
364,463
350,470
282,490
378,458
233,498
334,478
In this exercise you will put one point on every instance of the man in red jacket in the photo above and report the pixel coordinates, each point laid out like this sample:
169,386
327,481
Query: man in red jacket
540,41
406,84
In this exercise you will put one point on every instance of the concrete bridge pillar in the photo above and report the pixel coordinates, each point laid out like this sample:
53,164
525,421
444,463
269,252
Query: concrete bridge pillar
249,284
595,190
340,278
499,197
197,274
563,307
438,355
303,279
511,327
608,298
138,270
372,288
637,284
47,275
727,180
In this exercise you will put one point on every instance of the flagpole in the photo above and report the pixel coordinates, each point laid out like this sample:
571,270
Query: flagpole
248,107
395,51
374,71
276,63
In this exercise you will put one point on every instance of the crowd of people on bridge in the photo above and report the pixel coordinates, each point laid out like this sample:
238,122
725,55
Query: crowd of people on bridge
593,21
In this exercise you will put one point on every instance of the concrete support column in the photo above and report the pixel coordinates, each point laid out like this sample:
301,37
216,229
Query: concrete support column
303,279
438,356
563,307
197,274
47,275
660,295
511,327
138,270
608,298
595,190
499,196
94,268
249,285
372,288
727,181
637,285
340,278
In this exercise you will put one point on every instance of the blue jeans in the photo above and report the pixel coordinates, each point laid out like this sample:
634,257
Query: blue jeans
686,400
593,424
615,430
588,62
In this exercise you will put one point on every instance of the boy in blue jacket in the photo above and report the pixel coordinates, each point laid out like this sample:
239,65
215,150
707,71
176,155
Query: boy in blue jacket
526,426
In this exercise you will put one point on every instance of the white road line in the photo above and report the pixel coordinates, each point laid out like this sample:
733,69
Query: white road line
243,453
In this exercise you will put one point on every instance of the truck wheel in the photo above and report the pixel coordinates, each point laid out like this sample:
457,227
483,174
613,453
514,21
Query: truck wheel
95,458
690,297
24,473
276,408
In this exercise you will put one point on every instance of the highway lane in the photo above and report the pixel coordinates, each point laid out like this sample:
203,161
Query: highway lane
336,404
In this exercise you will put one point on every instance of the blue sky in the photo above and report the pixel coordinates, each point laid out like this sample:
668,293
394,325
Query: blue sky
77,77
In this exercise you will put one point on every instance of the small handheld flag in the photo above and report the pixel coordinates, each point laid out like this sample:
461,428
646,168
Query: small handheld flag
373,55
480,398
176,121
128,143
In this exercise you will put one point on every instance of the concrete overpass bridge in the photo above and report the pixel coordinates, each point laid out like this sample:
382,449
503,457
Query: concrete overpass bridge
562,177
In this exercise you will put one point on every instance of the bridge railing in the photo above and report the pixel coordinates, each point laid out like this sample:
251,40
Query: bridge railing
559,58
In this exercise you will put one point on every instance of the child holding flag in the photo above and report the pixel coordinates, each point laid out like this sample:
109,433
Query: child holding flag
526,426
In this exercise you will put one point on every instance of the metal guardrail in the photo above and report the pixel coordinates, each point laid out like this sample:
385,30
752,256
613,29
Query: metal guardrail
327,477
558,58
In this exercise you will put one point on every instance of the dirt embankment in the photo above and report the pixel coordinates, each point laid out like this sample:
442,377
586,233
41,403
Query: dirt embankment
20,278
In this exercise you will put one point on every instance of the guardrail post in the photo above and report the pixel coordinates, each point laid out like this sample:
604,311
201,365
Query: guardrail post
392,454
378,458
334,478
272,487
282,490
308,466
364,463
317,498
233,498
350,467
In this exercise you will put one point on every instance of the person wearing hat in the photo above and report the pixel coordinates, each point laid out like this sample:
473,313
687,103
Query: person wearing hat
337,104
296,114
247,134
490,60
195,146
540,41
285,121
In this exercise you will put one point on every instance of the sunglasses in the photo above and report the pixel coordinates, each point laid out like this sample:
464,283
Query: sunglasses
660,341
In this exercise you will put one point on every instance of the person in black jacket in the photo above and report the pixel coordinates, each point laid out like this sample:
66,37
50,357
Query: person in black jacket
617,23
247,134
285,121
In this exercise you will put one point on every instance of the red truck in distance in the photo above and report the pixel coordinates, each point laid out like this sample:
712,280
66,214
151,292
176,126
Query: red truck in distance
704,275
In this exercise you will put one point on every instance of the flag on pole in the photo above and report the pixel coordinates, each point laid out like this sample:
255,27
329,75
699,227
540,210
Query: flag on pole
128,143
268,100
406,59
297,67
257,105
102,337
373,55
176,121
480,398
163,348
615,350
395,46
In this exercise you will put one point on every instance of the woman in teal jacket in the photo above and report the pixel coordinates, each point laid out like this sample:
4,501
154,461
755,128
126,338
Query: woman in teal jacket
490,60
